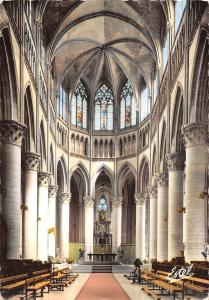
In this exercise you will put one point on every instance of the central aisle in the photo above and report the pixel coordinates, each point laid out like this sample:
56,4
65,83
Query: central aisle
102,286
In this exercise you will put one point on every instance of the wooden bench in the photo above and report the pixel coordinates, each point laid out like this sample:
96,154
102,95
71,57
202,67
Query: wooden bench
163,273
146,277
168,287
57,286
151,293
193,287
13,282
44,273
35,284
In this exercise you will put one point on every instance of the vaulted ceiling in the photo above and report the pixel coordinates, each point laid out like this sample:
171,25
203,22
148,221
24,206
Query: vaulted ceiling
103,41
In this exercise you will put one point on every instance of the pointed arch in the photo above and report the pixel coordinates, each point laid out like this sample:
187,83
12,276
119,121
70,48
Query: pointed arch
83,172
51,161
199,87
144,175
127,106
124,171
62,175
8,79
104,168
42,149
29,120
163,147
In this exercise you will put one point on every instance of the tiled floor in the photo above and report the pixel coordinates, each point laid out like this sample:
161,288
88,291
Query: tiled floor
133,290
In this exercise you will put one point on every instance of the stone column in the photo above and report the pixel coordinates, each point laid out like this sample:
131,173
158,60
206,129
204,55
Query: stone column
89,202
30,206
140,225
44,180
195,138
153,222
116,222
52,194
162,216
175,164
11,134
65,199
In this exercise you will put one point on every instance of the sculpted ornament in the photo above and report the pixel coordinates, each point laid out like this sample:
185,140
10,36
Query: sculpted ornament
194,134
116,201
175,161
12,132
89,201
52,192
44,178
32,160
152,190
65,198
140,199
162,179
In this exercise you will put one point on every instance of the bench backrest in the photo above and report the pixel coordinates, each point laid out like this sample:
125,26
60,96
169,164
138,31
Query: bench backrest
11,279
40,272
32,281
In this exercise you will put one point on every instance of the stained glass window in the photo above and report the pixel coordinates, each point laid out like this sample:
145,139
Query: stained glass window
62,103
104,108
179,10
145,104
127,107
165,51
79,106
102,204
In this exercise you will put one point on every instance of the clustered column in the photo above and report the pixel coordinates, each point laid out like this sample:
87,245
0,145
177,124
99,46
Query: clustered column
30,208
52,193
140,225
89,202
175,164
11,136
44,180
195,137
116,222
65,199
153,222
162,216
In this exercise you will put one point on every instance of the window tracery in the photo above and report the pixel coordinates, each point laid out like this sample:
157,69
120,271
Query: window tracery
79,106
127,107
104,108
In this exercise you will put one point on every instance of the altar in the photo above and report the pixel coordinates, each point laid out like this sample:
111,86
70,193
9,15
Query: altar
102,257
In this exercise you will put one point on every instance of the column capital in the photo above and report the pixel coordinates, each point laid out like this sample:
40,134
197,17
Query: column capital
64,197
44,178
162,179
31,160
116,201
152,190
140,199
12,132
194,134
52,191
89,201
175,161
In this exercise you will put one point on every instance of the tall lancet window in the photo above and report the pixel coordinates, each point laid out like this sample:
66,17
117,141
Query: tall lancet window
62,103
104,108
127,107
79,106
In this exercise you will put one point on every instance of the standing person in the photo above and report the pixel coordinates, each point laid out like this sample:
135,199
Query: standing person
137,270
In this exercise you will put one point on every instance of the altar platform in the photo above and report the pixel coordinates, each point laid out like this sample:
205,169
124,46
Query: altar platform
107,258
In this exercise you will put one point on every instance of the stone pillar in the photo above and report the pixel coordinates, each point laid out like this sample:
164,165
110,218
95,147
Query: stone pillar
44,180
116,222
52,193
153,222
89,202
65,199
162,216
195,138
30,206
11,134
175,164
140,225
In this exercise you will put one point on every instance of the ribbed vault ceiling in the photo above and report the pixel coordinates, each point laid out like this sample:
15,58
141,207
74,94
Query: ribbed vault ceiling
103,41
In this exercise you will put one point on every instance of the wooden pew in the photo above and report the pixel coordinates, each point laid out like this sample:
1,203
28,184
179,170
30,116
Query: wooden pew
168,287
13,282
151,293
36,284
44,273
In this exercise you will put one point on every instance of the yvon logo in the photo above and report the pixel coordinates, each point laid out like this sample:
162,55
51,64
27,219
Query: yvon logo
182,273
